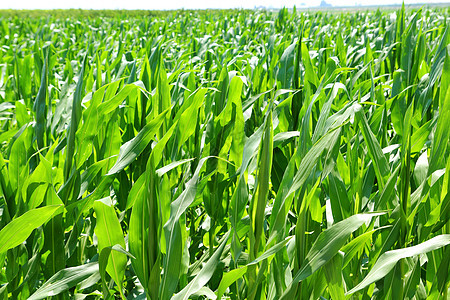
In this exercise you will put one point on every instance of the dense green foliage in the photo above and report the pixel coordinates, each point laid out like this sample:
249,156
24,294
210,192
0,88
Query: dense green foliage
83,14
229,154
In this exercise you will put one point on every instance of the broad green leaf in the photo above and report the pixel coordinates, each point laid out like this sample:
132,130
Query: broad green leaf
40,107
357,244
286,67
333,273
387,260
326,246
131,149
18,230
228,279
105,254
109,233
74,121
373,146
173,237
64,280
204,275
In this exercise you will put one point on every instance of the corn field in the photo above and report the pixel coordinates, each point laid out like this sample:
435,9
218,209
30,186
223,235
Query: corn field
225,155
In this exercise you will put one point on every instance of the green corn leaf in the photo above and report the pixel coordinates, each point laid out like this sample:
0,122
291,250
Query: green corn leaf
18,230
387,260
173,237
327,246
334,278
64,280
373,146
40,107
109,233
285,72
357,244
228,279
131,149
262,190
204,275
105,254
74,121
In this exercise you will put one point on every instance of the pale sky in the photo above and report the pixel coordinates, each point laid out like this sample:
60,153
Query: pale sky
187,4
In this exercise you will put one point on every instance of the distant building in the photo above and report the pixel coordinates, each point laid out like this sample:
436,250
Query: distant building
325,4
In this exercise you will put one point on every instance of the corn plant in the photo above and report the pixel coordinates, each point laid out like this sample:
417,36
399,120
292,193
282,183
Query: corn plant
229,154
